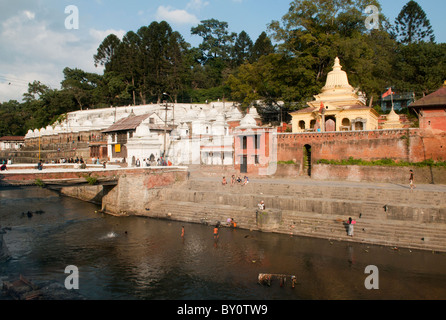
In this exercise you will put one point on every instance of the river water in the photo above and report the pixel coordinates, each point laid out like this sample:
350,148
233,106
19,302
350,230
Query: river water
143,259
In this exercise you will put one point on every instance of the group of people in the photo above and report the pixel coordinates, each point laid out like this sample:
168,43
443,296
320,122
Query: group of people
150,162
235,180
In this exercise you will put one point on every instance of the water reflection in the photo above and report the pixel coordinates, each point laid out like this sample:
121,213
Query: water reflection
139,258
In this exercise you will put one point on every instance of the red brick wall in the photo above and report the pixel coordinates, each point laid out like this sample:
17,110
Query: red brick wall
412,145
424,175
433,119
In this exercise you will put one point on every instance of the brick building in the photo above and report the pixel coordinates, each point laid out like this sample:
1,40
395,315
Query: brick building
431,110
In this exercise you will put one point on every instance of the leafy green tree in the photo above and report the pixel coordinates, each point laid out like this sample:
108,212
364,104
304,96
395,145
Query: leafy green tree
81,85
217,41
314,29
412,25
12,119
262,47
420,67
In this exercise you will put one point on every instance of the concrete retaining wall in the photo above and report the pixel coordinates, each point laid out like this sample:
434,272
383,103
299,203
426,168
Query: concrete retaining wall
134,192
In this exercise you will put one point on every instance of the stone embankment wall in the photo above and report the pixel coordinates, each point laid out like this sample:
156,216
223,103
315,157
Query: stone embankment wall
135,192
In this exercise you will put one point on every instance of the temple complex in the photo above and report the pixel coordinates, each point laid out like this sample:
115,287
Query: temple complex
337,124
181,133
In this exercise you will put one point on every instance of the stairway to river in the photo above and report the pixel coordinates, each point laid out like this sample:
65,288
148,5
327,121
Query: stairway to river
386,214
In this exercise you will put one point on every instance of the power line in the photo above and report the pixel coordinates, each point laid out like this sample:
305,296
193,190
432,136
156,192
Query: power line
23,82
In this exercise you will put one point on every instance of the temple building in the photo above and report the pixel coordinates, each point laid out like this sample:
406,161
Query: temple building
11,143
339,107
431,110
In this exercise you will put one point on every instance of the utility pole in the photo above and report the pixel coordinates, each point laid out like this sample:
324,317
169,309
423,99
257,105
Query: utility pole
165,123
166,108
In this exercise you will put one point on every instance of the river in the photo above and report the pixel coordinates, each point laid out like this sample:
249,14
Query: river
137,258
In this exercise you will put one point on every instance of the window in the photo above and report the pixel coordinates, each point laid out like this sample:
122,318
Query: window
302,125
345,122
245,143
257,141
359,126
312,124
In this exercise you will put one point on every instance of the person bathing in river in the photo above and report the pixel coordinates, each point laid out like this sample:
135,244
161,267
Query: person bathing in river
351,223
216,232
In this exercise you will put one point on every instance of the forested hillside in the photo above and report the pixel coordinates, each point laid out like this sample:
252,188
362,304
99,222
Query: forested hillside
288,62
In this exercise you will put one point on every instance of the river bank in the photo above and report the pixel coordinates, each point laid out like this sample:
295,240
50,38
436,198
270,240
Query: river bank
388,214
147,259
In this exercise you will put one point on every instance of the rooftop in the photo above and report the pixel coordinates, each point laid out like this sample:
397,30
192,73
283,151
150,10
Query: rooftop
126,124
438,98
12,138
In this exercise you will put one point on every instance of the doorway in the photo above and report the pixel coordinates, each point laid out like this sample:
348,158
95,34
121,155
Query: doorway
307,159
244,164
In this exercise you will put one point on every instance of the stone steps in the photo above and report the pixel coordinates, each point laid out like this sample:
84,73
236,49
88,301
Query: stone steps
308,203
399,234
365,194
395,233
205,214
396,218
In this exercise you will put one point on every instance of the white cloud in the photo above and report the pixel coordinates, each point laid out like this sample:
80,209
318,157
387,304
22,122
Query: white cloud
30,15
175,16
32,50
100,35
197,4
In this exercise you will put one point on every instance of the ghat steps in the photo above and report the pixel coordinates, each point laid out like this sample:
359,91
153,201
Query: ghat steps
388,215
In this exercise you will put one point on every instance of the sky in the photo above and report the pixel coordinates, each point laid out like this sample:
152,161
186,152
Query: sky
37,38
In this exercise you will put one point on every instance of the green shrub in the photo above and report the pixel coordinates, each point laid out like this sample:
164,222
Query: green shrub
383,162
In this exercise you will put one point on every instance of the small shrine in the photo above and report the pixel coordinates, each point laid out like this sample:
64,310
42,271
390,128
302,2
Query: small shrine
339,107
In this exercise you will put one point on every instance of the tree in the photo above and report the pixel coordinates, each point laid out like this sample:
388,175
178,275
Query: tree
262,47
217,40
35,91
420,67
315,32
81,84
106,52
162,50
412,25
242,49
